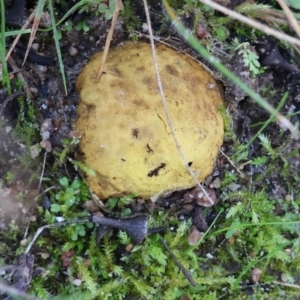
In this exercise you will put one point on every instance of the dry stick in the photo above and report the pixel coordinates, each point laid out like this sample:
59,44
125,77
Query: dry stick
186,273
295,286
290,16
163,98
232,163
43,170
271,16
266,29
38,232
45,191
28,21
119,6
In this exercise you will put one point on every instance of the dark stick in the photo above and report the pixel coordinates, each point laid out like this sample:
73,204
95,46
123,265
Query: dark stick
186,273
136,227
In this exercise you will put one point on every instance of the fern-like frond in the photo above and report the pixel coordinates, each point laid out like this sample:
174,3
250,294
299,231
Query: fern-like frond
143,289
181,231
87,278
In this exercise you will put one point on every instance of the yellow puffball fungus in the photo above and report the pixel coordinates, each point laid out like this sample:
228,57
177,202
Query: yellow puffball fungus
125,136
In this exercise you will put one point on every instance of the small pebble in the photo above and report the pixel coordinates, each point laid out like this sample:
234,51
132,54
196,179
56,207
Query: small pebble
187,207
24,242
145,27
35,150
47,125
217,183
194,236
288,198
34,90
256,273
60,219
284,278
43,69
45,255
35,46
73,51
45,135
77,282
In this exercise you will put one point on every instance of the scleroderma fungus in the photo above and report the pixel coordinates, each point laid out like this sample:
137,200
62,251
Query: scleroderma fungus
125,136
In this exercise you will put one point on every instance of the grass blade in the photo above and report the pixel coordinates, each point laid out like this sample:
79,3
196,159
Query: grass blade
55,36
5,77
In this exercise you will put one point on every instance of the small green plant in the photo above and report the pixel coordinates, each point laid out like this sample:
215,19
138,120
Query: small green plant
107,9
131,21
9,177
68,147
250,58
112,203
71,194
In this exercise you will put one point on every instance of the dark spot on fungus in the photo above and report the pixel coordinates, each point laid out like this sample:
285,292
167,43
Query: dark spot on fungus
147,80
190,163
117,71
135,132
140,69
162,121
171,70
155,171
149,149
141,103
122,159
90,107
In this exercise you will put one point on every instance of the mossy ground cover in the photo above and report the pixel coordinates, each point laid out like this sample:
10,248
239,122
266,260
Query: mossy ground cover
251,247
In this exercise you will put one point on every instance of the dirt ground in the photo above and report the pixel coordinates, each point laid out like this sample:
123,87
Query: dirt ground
55,113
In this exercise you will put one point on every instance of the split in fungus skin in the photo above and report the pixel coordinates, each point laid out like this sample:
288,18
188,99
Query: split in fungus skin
125,136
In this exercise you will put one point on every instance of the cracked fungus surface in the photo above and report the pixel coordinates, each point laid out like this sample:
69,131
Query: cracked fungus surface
125,136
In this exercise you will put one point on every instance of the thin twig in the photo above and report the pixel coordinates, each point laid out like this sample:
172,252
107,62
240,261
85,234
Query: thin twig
28,21
266,29
271,16
186,273
45,191
232,163
43,170
39,231
163,98
290,16
119,6
295,286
